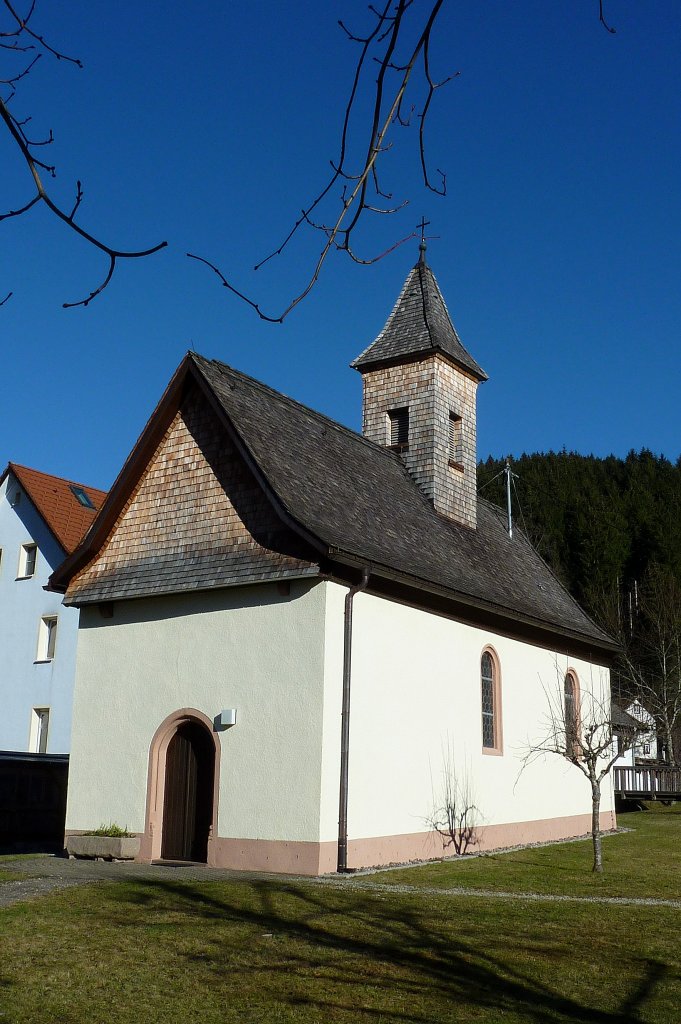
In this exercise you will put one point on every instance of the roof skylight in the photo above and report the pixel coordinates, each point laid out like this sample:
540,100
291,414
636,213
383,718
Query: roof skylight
81,496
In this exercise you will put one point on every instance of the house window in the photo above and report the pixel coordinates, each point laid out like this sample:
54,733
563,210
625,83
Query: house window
398,428
571,691
47,638
40,724
491,704
455,441
81,496
28,554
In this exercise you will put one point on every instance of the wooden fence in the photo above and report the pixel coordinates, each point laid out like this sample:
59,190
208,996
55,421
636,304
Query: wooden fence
648,783
32,799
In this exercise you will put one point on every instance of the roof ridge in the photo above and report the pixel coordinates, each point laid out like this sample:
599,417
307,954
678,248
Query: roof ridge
53,476
301,405
420,267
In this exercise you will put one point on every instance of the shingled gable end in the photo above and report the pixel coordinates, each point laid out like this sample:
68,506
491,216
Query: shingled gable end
420,388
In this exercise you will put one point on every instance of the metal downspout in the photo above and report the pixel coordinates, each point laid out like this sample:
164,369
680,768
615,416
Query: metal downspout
345,724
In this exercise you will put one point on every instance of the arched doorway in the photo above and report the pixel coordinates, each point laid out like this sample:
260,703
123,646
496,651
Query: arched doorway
188,793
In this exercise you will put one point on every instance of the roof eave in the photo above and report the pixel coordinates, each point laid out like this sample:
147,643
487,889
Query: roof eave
365,365
609,647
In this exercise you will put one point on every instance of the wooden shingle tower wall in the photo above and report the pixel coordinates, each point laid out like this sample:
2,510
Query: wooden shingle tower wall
420,388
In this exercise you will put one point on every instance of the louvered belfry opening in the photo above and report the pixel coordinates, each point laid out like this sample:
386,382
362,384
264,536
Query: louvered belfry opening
398,420
455,441
420,388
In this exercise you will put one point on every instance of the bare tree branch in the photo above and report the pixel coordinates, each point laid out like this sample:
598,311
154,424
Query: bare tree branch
390,28
26,146
601,18
396,44
22,26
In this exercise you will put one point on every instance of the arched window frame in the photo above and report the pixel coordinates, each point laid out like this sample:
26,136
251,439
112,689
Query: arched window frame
571,715
497,746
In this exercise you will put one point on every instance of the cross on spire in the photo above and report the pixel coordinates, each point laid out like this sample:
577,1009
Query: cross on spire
422,225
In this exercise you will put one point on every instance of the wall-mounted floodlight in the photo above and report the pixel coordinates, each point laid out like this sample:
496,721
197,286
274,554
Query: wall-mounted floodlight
226,718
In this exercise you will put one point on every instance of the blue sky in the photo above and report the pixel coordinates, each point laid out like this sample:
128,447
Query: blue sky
558,247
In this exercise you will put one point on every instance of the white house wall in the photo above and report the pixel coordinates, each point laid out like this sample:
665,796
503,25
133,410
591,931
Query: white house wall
416,696
26,683
250,648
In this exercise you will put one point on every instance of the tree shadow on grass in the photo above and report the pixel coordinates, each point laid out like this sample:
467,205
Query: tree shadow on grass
335,947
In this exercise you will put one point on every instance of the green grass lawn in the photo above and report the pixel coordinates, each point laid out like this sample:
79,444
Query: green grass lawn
280,951
632,862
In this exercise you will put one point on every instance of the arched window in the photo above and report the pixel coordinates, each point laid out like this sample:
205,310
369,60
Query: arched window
571,691
491,703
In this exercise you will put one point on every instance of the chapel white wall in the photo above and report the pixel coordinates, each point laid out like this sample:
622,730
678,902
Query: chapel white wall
416,694
251,648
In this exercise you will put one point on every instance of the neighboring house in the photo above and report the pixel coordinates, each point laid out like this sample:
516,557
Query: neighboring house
646,746
42,519
288,631
626,733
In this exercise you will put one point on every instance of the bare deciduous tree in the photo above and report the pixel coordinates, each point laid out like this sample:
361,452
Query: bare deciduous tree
579,728
649,667
455,816
24,45
397,43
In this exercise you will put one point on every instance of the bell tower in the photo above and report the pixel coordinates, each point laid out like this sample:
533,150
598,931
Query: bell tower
420,388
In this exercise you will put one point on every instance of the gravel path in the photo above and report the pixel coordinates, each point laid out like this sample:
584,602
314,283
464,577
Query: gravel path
49,874
627,901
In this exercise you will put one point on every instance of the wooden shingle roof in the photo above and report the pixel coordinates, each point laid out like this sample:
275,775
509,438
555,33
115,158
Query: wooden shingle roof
419,324
358,499
54,499
355,504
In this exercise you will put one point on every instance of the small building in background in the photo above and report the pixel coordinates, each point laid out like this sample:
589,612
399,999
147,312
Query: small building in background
625,729
646,747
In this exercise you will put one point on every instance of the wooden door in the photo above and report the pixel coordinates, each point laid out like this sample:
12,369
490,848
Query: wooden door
188,799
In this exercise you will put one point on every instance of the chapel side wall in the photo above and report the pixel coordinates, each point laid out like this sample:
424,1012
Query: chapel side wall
249,648
416,696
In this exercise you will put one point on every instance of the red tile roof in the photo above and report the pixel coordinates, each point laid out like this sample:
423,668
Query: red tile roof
68,520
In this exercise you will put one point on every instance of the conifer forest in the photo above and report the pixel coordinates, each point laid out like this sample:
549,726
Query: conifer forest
610,528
